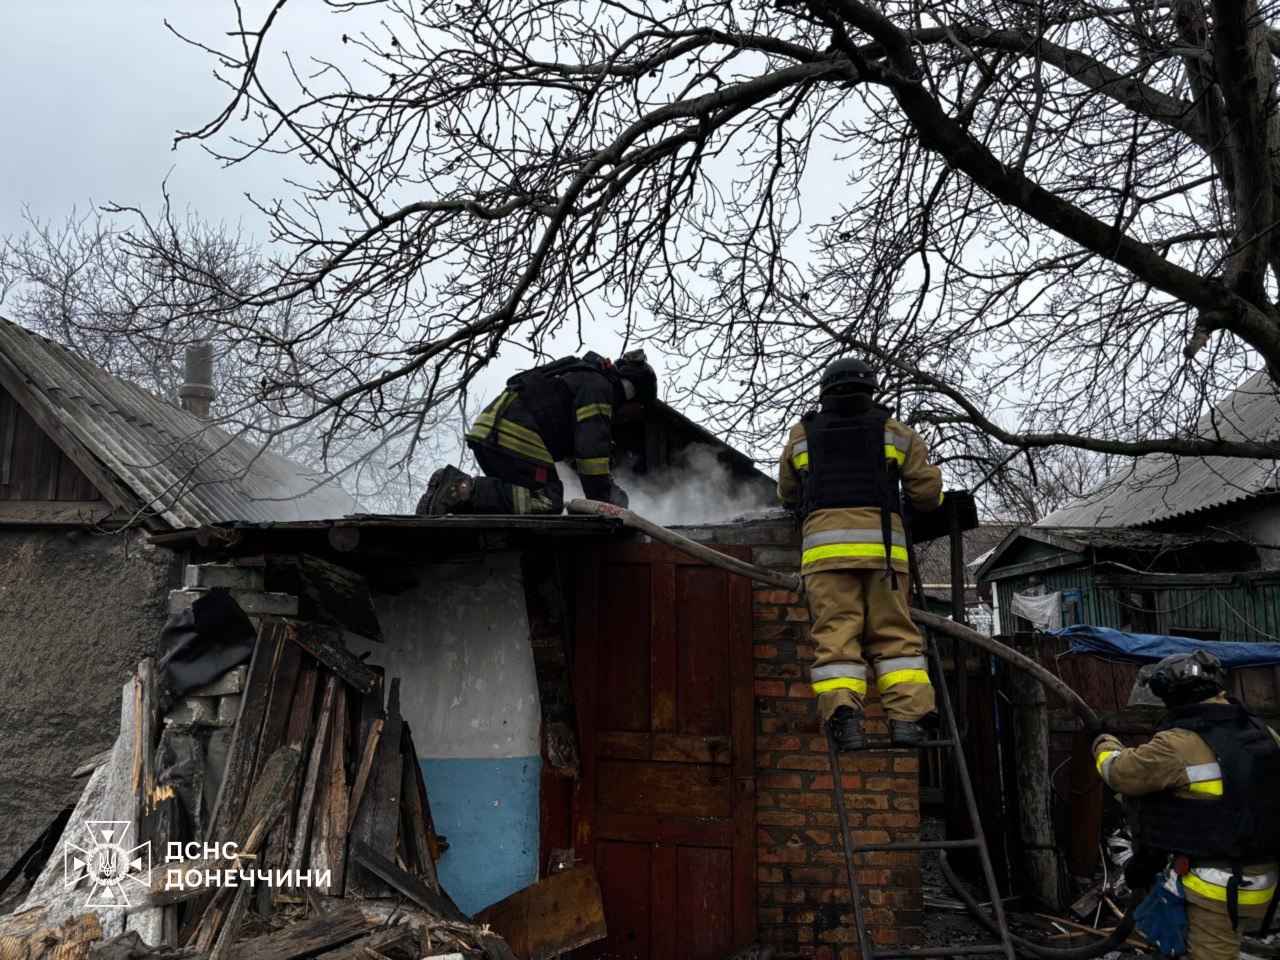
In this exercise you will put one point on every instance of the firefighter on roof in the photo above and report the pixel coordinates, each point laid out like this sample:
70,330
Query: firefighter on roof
561,411
1209,814
846,466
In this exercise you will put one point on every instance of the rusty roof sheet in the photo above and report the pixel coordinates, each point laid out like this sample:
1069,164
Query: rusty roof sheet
1162,486
180,468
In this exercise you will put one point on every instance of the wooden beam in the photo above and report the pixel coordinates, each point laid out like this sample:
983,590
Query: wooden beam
45,513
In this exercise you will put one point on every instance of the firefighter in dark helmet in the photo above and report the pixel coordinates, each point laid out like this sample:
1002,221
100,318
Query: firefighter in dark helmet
561,411
847,467
1209,807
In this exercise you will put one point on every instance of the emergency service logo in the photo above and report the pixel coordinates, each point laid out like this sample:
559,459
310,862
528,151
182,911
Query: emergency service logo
117,873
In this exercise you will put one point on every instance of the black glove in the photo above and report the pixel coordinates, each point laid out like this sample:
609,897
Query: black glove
1141,869
1097,729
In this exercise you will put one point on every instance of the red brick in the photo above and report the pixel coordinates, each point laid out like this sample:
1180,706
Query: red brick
906,764
851,781
802,761
771,779
895,820
784,671
777,818
796,614
804,801
909,804
805,652
782,854
810,875
765,651
770,688
769,874
802,690
772,631
777,743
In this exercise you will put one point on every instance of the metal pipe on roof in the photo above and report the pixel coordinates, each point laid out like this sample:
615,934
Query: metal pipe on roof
197,392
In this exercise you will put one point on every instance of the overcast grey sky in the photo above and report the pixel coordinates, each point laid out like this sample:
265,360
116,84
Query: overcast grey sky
94,90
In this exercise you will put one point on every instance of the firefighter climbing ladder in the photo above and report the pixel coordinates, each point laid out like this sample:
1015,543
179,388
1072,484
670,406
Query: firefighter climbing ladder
951,742
932,624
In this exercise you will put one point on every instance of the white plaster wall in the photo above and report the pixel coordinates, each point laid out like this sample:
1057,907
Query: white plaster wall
460,645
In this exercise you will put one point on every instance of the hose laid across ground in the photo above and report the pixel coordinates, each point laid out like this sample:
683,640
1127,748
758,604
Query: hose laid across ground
793,581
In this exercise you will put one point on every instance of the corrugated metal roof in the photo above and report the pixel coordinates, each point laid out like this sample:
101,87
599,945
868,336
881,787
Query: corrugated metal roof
1161,486
186,471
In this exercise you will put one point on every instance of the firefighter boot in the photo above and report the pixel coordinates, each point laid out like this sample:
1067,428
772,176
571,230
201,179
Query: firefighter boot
846,729
904,733
447,490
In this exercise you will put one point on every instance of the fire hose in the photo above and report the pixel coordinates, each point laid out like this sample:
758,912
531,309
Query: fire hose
938,625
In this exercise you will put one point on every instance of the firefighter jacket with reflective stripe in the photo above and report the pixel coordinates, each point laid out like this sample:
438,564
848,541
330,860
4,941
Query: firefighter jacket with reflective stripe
1179,765
843,538
545,419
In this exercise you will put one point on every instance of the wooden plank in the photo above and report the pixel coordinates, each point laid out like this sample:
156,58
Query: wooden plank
676,747
279,708
378,822
686,789
413,888
401,939
276,852
329,845
242,752
415,817
651,827
35,513
362,773
664,679
314,935
325,644
310,782
553,916
742,714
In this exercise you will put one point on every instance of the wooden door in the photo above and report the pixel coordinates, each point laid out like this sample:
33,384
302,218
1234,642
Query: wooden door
665,808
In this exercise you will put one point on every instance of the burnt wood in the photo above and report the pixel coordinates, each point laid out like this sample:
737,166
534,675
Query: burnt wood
325,644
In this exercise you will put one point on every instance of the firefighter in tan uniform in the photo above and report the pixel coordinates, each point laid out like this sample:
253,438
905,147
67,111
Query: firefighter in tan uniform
846,466
1209,814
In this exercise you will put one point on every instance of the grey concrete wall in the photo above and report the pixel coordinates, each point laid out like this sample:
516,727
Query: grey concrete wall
77,613
459,642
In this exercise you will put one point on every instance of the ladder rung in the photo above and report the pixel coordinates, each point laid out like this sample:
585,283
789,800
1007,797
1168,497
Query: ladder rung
969,844
965,951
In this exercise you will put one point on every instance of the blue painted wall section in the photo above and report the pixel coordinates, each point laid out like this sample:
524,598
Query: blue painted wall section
488,811
459,642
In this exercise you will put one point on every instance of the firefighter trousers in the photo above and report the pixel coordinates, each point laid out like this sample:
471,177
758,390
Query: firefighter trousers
513,485
1209,933
861,627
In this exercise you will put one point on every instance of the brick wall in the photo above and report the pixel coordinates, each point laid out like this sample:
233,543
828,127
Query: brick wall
804,908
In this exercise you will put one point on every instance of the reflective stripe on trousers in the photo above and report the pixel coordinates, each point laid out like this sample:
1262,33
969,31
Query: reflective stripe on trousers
825,544
839,676
891,672
1211,882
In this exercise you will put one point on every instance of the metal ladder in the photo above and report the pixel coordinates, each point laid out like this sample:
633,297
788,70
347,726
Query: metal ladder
976,842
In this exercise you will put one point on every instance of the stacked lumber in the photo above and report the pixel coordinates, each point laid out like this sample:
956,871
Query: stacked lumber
293,773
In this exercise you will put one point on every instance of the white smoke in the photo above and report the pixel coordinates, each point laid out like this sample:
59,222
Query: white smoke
699,488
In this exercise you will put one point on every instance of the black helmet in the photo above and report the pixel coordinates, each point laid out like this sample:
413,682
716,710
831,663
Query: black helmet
1185,678
634,368
847,374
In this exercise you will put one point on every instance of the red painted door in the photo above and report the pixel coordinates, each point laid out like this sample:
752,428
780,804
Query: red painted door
665,807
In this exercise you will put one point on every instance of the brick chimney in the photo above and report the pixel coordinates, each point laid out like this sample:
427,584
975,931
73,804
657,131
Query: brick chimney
197,392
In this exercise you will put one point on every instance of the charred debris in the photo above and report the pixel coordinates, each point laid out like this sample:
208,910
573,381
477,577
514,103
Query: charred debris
264,801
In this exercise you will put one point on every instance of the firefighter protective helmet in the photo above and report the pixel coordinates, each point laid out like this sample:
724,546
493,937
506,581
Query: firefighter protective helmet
633,367
847,374
1185,678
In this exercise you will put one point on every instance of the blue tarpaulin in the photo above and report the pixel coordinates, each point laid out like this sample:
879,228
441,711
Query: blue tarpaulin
1142,647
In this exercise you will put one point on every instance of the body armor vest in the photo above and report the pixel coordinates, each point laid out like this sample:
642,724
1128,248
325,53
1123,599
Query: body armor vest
847,465
848,468
1238,828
